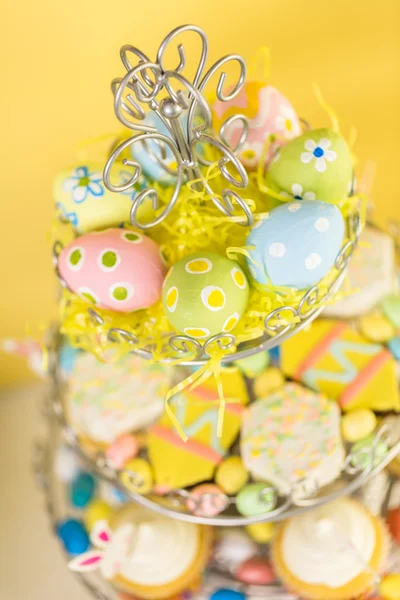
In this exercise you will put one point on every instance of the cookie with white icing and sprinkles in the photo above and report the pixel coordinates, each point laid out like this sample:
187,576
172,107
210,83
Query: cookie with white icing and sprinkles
290,435
205,294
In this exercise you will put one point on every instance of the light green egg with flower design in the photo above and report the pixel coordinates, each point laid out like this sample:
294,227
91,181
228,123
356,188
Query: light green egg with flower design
315,166
205,294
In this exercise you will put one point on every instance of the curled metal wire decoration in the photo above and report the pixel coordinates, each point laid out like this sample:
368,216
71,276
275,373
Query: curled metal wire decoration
182,111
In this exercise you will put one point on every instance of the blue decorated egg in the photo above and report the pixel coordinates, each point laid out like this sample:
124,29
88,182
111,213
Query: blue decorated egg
296,245
150,154
73,536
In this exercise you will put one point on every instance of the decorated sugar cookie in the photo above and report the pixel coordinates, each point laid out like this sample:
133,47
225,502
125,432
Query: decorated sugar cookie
177,463
268,112
82,198
330,357
371,275
296,245
118,269
315,166
205,294
106,400
290,435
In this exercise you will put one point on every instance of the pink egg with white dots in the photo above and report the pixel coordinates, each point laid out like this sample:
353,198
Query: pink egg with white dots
116,269
268,112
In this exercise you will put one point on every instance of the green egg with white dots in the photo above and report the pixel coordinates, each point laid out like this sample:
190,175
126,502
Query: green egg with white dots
314,166
205,294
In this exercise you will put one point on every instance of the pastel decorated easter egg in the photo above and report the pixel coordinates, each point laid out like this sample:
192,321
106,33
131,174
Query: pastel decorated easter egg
315,166
118,269
268,112
82,198
205,294
296,245
152,155
255,571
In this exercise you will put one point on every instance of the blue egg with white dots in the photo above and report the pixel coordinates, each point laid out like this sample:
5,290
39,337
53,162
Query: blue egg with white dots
82,490
73,536
296,246
227,594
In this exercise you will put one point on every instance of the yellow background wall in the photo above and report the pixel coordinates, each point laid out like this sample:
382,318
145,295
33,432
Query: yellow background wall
60,55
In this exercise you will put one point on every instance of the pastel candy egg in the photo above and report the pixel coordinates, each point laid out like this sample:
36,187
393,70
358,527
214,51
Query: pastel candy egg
207,500
389,587
205,294
376,328
255,499
82,490
268,112
233,547
97,510
315,166
296,245
227,594
123,449
117,269
137,476
261,533
269,381
231,475
391,308
82,198
255,571
358,424
73,536
363,454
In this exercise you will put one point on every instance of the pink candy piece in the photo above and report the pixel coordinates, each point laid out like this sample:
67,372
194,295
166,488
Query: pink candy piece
255,571
207,500
123,449
268,112
118,269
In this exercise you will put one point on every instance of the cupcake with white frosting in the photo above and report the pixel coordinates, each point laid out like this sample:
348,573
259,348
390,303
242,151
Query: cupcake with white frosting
334,552
166,555
147,555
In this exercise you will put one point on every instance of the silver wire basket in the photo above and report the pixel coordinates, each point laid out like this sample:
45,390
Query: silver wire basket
149,86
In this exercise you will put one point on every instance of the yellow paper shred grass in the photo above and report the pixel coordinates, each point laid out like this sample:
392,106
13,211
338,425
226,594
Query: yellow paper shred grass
195,224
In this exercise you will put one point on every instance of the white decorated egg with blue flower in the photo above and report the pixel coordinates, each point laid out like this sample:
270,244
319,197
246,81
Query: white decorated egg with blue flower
315,166
296,245
82,198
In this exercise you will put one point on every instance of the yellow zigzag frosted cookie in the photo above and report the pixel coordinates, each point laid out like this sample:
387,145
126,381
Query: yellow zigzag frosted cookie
332,358
177,463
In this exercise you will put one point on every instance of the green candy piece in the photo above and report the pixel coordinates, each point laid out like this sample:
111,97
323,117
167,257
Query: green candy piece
362,453
254,365
205,294
252,500
391,308
315,166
